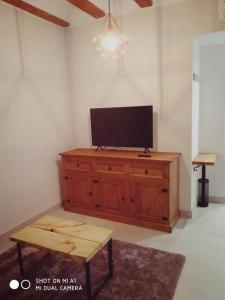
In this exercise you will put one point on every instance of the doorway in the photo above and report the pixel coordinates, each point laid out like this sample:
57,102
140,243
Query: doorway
208,109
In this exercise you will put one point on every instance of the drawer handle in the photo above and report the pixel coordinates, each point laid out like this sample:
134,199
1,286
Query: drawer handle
68,200
123,199
132,200
165,218
95,181
97,205
90,193
109,168
78,165
164,190
66,177
146,172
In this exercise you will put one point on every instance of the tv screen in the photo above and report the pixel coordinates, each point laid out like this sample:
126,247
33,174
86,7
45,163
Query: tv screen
122,126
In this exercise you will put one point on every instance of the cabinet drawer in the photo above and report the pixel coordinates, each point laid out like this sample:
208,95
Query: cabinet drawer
148,170
110,167
77,165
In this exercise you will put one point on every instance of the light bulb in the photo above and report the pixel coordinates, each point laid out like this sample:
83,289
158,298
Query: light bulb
110,41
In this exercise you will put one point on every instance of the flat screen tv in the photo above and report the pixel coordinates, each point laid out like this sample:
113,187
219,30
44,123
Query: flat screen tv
122,126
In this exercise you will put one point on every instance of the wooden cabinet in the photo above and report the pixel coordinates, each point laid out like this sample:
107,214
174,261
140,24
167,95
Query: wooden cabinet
151,202
121,186
110,194
78,191
147,200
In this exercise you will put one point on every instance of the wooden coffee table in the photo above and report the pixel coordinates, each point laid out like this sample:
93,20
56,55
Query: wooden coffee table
70,238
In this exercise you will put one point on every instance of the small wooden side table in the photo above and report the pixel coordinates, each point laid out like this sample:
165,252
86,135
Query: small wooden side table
203,160
67,237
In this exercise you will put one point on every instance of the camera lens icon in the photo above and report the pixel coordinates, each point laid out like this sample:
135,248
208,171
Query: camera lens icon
25,284
14,284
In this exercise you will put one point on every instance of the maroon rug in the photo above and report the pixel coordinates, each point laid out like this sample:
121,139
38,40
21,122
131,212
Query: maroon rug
139,274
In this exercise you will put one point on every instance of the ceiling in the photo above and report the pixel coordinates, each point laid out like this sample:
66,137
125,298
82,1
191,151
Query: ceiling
76,17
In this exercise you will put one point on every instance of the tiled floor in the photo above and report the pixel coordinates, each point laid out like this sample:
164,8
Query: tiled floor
201,240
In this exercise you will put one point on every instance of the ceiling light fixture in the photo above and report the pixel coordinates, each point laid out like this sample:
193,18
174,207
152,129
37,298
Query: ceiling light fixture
110,41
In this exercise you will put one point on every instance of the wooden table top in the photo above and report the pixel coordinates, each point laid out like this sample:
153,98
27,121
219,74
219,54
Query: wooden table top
77,239
207,159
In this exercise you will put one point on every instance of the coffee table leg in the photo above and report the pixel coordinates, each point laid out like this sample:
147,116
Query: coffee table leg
110,259
88,275
88,280
20,259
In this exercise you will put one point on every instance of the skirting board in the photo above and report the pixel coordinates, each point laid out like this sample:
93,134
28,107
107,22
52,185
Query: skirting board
186,214
29,221
217,200
183,214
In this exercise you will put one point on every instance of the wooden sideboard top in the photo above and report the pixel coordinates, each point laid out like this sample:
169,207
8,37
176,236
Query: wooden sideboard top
154,156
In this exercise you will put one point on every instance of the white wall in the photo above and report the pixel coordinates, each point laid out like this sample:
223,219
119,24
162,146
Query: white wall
157,69
35,120
212,112
195,116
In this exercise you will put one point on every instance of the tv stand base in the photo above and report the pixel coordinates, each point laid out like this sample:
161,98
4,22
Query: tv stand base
99,147
123,187
144,155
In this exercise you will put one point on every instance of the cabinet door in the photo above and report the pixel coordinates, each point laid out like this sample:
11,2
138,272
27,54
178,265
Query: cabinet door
78,191
110,195
149,200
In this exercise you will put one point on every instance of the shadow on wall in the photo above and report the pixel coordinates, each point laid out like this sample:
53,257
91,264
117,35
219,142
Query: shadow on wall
161,52
142,96
35,89
127,80
18,82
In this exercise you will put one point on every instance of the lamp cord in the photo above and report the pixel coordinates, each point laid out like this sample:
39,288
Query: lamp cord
109,6
110,22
